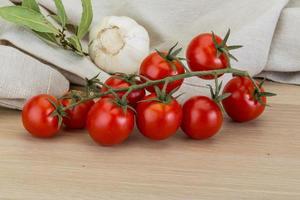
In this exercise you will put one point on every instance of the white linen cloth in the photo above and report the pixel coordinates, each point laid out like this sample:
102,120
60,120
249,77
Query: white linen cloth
268,30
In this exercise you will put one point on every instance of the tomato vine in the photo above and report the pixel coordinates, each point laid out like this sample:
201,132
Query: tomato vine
95,83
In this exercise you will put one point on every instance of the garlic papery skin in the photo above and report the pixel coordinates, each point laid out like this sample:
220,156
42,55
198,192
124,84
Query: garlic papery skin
118,44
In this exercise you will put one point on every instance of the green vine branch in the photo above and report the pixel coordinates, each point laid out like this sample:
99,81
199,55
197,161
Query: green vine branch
148,83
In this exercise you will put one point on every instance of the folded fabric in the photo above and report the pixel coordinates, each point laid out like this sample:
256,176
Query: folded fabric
23,77
267,29
284,60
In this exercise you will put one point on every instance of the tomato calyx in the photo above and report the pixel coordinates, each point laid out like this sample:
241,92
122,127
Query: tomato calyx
223,48
74,96
123,105
122,102
161,95
258,94
216,94
171,55
92,85
58,112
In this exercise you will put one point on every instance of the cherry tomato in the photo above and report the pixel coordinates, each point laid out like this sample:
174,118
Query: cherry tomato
108,124
202,54
242,106
37,119
154,67
202,118
157,120
76,117
117,83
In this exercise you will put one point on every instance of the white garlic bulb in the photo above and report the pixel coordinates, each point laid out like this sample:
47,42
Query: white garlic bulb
118,44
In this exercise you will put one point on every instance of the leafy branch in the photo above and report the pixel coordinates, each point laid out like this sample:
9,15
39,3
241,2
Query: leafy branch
29,15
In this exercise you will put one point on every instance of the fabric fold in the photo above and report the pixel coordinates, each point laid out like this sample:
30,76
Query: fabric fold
22,77
285,54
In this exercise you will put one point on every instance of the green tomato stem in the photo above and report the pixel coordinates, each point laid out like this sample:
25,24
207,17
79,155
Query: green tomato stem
169,79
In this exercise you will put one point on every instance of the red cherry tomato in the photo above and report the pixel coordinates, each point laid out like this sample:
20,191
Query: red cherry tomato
157,120
202,118
117,83
154,67
37,119
108,124
242,106
202,54
76,117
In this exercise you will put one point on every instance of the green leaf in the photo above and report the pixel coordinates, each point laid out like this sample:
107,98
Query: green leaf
28,18
160,54
71,27
74,40
181,94
61,13
48,37
55,17
232,56
220,86
86,18
226,38
157,90
214,40
179,58
172,48
267,94
233,47
224,96
176,52
261,84
32,4
211,90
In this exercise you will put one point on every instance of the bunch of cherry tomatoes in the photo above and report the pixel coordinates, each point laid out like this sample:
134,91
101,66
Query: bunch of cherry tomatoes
158,115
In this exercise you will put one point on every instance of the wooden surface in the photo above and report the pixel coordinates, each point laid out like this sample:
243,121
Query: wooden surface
257,160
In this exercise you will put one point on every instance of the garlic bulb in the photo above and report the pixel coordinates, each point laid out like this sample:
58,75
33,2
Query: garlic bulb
118,44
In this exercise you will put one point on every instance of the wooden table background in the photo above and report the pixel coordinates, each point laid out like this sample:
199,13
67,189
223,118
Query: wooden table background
256,160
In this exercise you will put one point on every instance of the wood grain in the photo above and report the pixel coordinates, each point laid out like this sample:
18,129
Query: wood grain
256,160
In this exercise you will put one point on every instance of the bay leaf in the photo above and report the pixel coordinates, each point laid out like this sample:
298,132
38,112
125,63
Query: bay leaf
48,37
86,18
61,13
27,17
75,42
32,4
